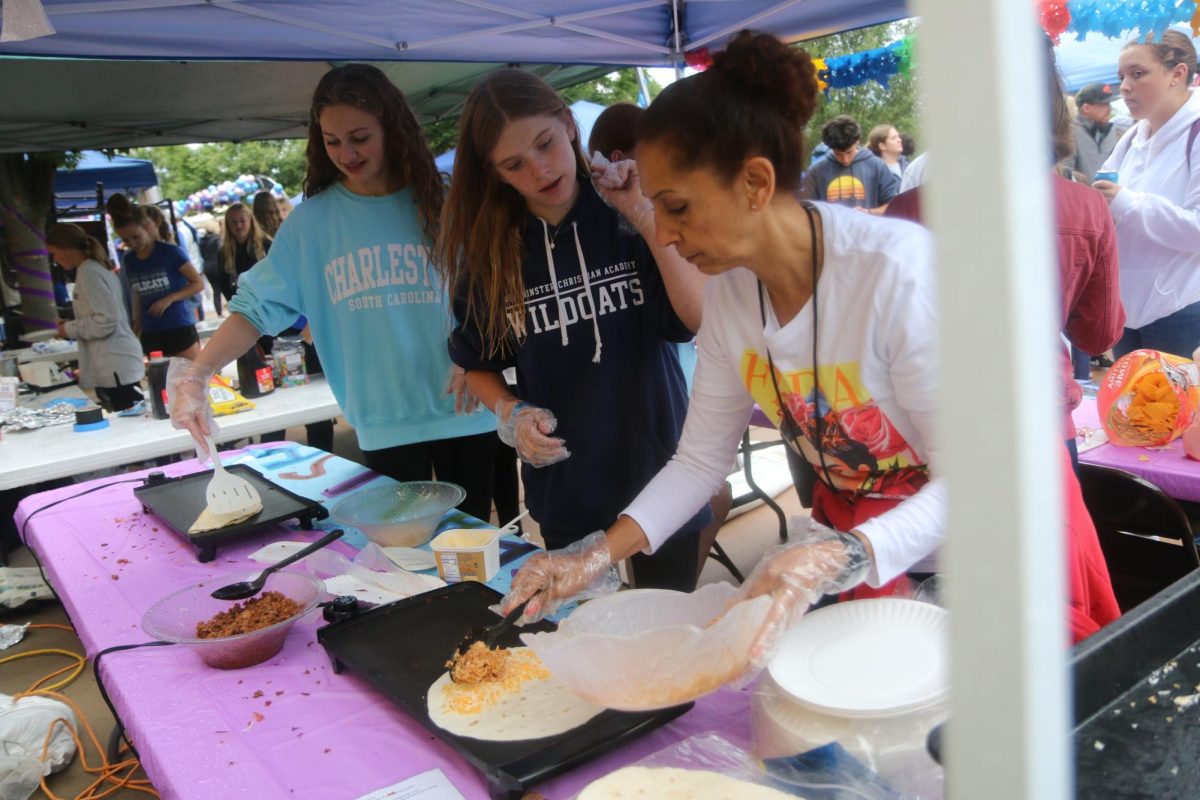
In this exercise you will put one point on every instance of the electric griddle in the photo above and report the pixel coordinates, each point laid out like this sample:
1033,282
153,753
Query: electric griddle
179,501
401,649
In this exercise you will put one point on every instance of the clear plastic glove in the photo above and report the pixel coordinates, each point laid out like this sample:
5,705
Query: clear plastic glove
620,187
576,572
816,561
187,392
465,401
527,430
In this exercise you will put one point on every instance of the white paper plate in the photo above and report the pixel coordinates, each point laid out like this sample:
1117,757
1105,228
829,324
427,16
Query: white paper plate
410,558
276,552
865,657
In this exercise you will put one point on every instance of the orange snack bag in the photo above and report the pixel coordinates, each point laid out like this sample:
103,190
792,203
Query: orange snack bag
1148,398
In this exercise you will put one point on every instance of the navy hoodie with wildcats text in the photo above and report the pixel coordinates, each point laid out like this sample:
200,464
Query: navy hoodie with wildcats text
599,352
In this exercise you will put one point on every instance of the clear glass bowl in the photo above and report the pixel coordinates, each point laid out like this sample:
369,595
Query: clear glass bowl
399,514
174,618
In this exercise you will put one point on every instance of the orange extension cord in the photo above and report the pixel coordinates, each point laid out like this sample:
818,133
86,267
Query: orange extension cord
110,778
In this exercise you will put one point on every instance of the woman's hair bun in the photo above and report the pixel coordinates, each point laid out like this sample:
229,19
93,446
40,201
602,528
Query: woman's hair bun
118,205
761,63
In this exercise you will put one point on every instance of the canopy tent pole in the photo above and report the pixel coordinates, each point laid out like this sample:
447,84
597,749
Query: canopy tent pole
1000,445
677,56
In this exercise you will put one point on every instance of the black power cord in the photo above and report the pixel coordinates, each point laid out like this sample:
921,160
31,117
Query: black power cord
21,534
104,693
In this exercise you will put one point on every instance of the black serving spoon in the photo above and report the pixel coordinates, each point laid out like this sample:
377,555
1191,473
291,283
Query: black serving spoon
243,589
489,635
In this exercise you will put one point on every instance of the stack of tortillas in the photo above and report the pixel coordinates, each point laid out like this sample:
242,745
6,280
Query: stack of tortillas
672,783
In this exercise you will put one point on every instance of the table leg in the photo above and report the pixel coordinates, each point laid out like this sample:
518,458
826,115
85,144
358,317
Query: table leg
747,447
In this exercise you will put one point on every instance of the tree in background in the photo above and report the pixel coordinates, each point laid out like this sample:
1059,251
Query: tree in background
184,169
616,87
870,103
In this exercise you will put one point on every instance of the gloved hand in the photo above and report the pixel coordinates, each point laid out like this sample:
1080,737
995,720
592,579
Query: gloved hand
576,572
816,561
527,430
465,401
620,187
187,392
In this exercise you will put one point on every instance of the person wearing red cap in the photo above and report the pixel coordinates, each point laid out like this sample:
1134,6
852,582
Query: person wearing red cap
1096,131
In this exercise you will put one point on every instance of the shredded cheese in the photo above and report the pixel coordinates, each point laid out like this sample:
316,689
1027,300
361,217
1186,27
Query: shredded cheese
522,666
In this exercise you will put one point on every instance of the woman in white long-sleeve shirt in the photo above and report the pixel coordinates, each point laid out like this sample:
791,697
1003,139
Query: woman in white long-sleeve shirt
110,355
1155,201
796,285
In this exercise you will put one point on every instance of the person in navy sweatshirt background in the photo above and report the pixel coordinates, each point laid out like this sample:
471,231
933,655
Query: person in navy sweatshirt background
548,277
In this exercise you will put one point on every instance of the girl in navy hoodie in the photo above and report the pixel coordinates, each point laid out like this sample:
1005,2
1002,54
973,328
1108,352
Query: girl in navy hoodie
567,285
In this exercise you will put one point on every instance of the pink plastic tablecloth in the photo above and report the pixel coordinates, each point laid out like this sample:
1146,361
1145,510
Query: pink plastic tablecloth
1166,467
287,728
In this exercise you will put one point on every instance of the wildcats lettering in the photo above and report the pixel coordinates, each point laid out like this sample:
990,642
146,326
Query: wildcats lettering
606,298
149,284
369,269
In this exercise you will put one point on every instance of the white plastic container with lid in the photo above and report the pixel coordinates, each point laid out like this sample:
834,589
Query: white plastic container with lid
870,675
467,554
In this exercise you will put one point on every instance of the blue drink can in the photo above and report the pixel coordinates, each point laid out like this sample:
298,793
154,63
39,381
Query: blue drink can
1106,175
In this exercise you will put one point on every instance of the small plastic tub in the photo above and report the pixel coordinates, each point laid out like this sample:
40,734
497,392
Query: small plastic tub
467,554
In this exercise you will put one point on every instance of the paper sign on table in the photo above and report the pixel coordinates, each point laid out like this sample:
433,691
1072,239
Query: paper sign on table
431,785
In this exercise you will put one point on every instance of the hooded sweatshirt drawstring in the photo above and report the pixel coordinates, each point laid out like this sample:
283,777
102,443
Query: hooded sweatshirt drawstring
587,288
562,320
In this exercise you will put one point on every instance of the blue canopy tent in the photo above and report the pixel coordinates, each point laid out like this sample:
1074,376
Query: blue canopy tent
77,187
540,31
233,71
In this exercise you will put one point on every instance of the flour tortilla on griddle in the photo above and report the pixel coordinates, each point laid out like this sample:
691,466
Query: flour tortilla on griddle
210,520
672,783
539,708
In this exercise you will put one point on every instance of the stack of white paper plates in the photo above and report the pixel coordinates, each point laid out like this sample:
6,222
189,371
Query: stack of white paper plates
865,658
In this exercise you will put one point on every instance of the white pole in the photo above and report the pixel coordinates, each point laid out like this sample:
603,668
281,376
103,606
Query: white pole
1000,423
677,56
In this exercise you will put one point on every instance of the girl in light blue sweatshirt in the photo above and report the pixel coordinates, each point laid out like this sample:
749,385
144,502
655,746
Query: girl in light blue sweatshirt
354,260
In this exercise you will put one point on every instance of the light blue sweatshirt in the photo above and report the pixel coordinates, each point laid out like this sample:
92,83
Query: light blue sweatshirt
358,268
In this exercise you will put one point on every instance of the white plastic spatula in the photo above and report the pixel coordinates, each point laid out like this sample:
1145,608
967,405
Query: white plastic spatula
229,494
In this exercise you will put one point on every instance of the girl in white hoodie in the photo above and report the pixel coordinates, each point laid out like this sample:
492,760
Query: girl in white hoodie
1155,200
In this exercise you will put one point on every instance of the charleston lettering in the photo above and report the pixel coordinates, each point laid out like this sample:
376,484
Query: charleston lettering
380,276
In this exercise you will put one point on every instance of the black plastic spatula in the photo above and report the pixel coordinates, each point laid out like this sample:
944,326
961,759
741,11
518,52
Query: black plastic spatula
489,635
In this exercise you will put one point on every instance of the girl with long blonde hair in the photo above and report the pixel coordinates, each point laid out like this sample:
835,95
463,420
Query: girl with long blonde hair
567,284
243,245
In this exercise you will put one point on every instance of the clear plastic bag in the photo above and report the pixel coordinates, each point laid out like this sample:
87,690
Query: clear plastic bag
826,773
24,726
652,648
371,576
